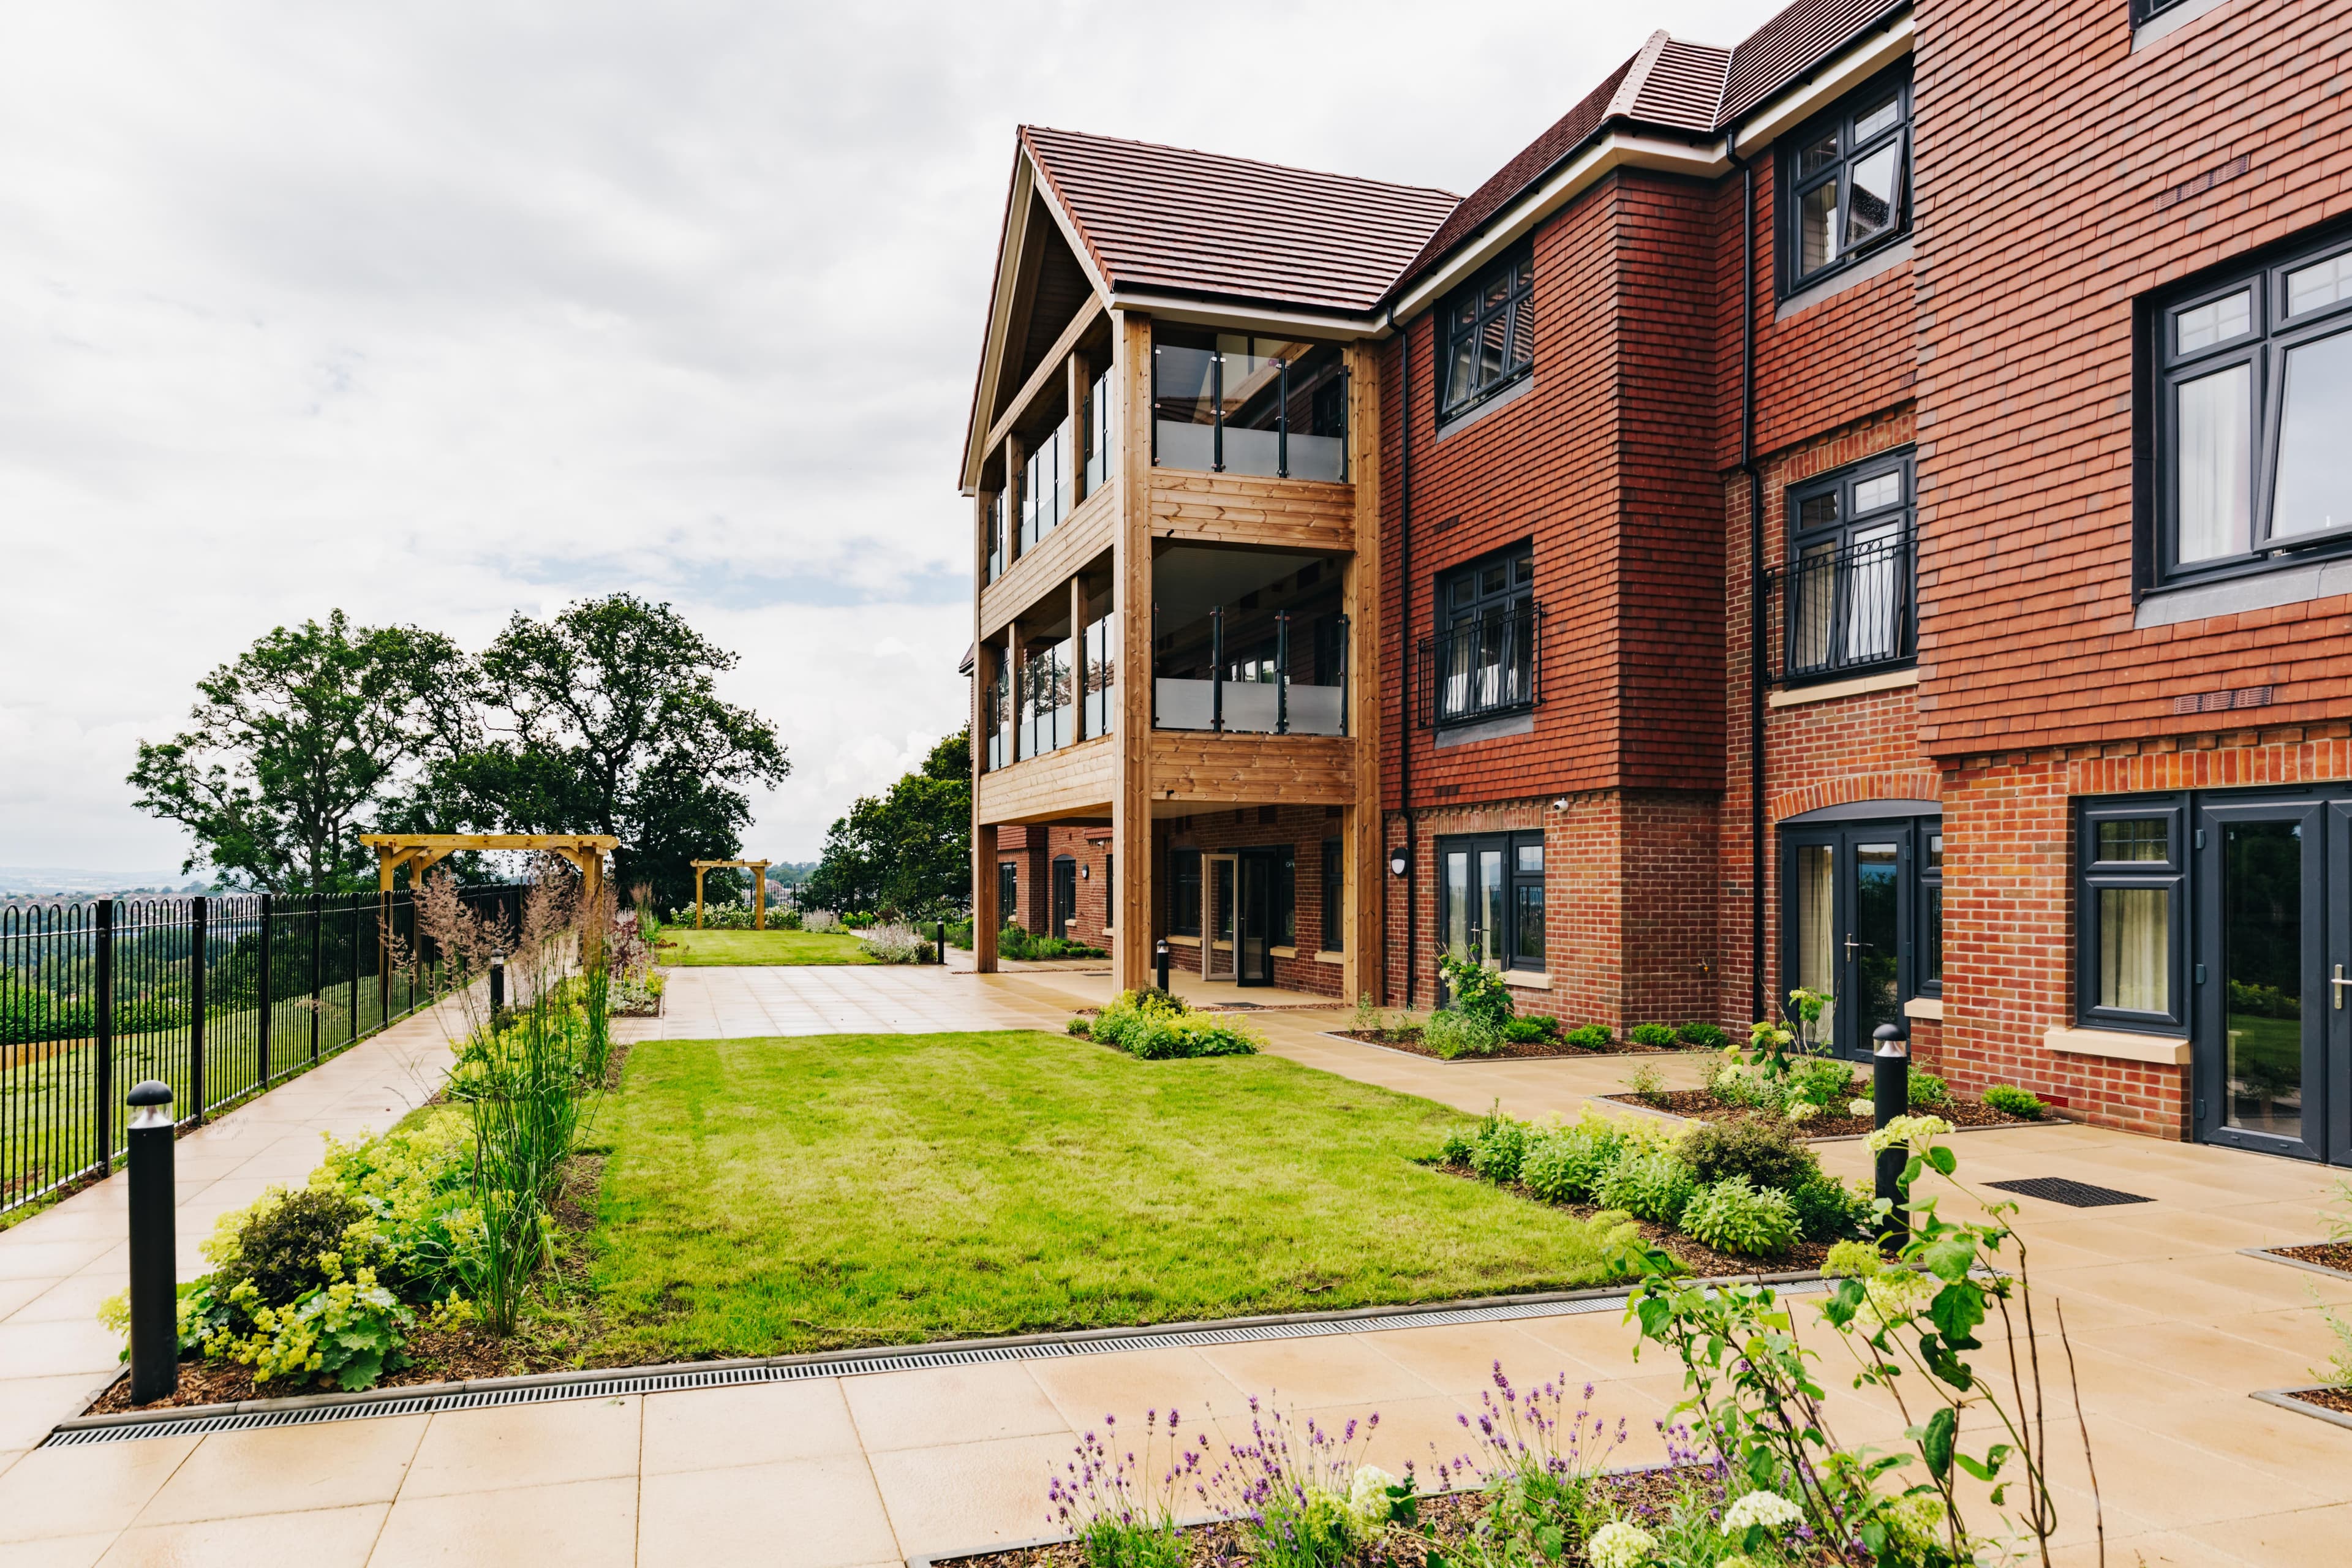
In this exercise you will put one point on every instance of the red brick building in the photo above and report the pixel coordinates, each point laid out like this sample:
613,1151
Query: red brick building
1945,402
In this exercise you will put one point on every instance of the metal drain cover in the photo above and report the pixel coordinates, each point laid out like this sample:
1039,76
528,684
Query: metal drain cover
2073,1195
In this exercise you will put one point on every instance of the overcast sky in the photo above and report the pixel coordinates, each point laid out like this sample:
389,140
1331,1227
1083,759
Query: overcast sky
436,311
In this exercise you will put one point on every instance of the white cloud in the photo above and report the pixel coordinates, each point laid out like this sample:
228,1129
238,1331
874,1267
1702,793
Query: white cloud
436,311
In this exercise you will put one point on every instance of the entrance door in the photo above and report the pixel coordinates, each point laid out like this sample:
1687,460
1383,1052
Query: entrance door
1254,935
2273,1044
1474,879
1065,895
1845,913
1220,887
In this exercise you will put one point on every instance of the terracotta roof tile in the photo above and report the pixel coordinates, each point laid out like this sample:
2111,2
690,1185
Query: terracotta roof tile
1199,223
1791,44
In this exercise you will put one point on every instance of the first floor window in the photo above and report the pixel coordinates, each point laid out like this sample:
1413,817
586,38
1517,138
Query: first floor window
1335,901
1850,569
1482,657
2254,391
2133,868
1183,892
1848,181
1486,334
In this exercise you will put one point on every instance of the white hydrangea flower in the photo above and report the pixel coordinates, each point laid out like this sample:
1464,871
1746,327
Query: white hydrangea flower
1860,1108
1368,1496
1802,1110
1618,1544
1912,1130
1770,1509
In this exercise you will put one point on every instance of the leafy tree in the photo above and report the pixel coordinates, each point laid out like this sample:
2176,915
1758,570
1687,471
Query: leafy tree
909,849
610,721
296,747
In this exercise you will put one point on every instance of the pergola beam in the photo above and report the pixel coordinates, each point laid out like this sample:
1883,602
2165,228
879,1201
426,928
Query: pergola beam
421,851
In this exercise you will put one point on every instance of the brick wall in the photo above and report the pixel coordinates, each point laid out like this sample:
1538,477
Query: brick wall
1301,828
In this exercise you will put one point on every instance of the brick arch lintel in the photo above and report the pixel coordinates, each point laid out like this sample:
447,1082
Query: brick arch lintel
1854,787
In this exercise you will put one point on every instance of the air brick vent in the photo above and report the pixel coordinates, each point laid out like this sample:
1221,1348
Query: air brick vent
2222,702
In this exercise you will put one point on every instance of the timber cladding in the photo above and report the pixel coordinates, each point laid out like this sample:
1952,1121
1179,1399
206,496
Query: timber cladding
1075,780
1232,509
1045,570
2051,202
1297,769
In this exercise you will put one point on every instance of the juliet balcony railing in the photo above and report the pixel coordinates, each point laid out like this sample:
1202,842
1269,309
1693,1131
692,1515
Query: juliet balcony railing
1488,668
1235,673
1850,606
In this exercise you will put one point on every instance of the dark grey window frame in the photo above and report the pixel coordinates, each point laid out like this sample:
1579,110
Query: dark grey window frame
1904,642
1008,892
1793,279
1515,311
1928,907
1514,879
2093,875
2263,347
2146,11
1512,610
1333,938
1183,878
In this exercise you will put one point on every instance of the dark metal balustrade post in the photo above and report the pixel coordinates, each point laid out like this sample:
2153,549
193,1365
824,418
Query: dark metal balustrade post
102,1044
199,911
317,965
1217,668
269,912
1282,672
1345,673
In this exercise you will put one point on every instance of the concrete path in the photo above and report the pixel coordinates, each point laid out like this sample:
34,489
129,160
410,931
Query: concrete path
2172,1328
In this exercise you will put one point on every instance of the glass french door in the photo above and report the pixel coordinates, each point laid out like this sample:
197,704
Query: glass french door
2272,1042
1254,935
1065,895
1219,887
1474,879
1846,921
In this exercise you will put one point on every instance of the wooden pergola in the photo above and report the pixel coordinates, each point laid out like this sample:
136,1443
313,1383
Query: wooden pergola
420,852
759,895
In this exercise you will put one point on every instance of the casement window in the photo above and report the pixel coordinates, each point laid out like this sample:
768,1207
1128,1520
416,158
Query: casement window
2150,10
1008,893
2253,397
1335,902
1931,910
1491,898
1847,178
1285,897
1183,892
1481,661
2132,913
1486,335
1849,596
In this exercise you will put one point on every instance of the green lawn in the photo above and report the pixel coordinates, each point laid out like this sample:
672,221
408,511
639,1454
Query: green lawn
707,947
777,1195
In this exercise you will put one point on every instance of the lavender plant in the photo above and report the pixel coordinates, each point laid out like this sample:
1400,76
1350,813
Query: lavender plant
1120,1506
1304,1495
1535,1461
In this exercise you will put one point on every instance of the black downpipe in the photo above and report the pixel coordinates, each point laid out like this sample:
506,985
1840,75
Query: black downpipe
1756,662
1404,650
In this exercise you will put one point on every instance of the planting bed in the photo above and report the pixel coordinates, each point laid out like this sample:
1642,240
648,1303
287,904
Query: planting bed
1449,1517
2336,1399
2335,1254
1701,1105
1410,1040
1701,1260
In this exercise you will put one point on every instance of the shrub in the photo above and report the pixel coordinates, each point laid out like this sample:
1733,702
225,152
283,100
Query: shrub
1647,1084
1188,1035
1455,1150
1734,1216
1821,1080
787,920
897,944
2011,1100
1651,1184
1767,1153
1081,1027
1656,1035
1927,1089
1013,942
1133,1013
1478,990
1530,1028
1449,1034
1828,1210
1589,1037
1499,1147
1702,1035
820,920
279,1243
1745,1089
1563,1166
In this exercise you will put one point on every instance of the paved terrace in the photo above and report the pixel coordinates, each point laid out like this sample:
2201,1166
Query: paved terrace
2172,1327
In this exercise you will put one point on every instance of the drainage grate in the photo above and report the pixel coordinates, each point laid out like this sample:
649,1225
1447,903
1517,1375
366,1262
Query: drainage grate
854,1363
2073,1195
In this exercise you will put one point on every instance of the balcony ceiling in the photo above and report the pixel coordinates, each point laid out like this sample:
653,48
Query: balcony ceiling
1188,579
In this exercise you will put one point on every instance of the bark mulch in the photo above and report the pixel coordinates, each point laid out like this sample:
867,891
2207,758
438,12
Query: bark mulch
2336,1399
2335,1254
1703,1261
1410,1040
1702,1104
1449,1517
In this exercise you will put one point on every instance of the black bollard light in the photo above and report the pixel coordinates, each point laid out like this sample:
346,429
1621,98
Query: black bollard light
939,943
1890,1097
497,989
1162,957
154,1270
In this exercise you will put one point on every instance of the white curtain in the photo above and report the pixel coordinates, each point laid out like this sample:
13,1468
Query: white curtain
1817,927
2213,464
2134,925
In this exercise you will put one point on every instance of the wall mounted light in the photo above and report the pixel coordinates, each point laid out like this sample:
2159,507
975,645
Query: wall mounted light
1086,873
1560,805
1397,864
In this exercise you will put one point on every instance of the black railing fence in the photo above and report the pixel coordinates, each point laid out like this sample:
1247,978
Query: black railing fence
218,997
1484,668
1848,607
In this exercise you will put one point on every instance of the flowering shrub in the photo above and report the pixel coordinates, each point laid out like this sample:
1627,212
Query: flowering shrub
896,944
819,921
1302,1493
1153,1025
1123,1507
1478,991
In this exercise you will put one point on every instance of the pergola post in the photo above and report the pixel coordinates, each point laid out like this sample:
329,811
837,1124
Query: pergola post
760,898
699,869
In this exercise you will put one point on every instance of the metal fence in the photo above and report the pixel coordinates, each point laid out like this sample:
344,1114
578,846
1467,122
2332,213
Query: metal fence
218,997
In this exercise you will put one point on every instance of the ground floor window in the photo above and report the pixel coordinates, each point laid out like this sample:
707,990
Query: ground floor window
1065,894
1008,892
1334,897
1491,898
1183,892
1861,920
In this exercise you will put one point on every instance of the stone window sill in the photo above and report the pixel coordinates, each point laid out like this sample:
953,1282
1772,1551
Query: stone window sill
1526,979
1326,956
2119,1045
1830,691
1927,1008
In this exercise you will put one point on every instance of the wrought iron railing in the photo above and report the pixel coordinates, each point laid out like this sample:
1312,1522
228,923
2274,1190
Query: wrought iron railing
218,997
1848,608
1482,668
